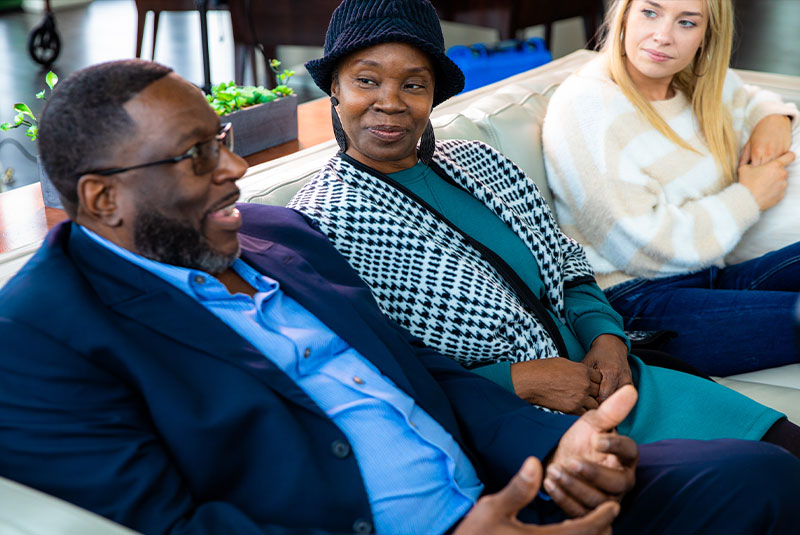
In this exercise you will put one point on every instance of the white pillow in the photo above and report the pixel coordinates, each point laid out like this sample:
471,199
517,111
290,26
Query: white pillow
780,225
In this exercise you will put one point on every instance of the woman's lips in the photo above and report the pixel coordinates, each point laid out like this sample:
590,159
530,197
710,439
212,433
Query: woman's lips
656,56
387,133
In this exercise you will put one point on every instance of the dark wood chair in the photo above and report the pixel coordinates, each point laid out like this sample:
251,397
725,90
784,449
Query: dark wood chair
156,6
267,24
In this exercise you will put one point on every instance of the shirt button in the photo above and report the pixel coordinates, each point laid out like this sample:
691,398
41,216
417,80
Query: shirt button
307,353
340,449
362,526
358,380
199,279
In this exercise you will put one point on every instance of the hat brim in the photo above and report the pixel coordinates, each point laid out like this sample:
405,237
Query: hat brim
449,78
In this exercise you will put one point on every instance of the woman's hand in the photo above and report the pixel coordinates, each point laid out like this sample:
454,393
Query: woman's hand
771,138
609,356
767,182
557,383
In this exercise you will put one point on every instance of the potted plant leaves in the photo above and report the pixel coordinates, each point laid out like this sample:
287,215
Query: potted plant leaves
25,118
261,117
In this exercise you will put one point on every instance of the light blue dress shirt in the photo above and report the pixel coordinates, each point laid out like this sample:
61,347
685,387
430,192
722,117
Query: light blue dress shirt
418,480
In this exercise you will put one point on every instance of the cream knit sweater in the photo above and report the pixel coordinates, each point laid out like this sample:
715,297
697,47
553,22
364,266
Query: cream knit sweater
642,206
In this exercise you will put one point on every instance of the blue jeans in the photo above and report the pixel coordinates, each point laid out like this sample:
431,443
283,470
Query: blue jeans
729,320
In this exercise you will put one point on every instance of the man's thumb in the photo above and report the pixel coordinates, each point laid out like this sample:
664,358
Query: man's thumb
521,490
613,410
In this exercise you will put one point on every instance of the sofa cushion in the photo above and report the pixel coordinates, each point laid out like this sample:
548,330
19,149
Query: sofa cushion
25,511
784,398
509,120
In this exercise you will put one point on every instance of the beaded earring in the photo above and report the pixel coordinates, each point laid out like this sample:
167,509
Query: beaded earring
338,130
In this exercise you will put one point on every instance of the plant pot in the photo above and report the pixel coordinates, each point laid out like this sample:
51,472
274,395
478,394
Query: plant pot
263,125
49,191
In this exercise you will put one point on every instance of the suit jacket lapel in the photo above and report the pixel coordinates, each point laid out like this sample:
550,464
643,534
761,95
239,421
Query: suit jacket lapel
146,299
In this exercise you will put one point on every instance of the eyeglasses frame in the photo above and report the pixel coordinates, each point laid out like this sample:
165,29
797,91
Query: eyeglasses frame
225,130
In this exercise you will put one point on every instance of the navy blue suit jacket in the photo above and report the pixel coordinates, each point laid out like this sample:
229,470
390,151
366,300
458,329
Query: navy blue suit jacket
123,395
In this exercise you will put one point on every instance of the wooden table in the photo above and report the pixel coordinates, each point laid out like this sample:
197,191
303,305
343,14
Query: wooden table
24,219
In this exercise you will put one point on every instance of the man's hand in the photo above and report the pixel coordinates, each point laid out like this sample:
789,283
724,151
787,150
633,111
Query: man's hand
771,137
609,356
557,383
592,464
497,513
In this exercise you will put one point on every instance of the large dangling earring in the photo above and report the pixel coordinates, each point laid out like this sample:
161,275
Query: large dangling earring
338,130
427,145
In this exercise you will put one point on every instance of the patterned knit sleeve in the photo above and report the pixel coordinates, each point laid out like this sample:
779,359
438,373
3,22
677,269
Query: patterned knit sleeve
749,104
521,193
636,201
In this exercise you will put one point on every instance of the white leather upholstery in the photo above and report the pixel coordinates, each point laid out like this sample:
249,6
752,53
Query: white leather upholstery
24,511
12,261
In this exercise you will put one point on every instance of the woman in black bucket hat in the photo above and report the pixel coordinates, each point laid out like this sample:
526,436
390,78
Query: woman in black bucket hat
358,25
459,247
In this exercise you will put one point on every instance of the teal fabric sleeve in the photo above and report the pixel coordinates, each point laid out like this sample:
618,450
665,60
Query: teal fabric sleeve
590,315
499,372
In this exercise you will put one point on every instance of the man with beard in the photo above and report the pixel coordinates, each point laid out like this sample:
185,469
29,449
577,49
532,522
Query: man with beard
183,365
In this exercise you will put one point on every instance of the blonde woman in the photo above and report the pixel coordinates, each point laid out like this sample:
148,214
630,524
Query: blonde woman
660,160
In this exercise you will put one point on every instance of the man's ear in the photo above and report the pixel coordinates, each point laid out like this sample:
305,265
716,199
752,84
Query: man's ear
98,199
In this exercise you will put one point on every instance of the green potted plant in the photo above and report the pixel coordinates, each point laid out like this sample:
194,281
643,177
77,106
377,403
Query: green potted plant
25,118
261,117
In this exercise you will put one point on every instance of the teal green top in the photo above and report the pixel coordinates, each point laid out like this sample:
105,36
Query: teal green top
671,404
588,314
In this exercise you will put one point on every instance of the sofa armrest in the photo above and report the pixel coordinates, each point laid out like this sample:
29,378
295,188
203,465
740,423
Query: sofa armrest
25,511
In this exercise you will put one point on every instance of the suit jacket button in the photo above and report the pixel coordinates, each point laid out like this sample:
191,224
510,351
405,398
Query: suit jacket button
362,526
340,449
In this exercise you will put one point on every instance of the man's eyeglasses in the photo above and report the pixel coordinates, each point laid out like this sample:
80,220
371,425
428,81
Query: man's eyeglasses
204,155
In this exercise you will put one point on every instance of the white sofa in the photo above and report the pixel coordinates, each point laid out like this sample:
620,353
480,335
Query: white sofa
507,115
25,511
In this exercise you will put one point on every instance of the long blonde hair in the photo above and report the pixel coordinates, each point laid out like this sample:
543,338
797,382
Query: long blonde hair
702,81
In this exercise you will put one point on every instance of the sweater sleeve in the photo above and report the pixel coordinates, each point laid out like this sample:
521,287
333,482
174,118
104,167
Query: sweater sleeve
498,373
749,104
590,315
638,202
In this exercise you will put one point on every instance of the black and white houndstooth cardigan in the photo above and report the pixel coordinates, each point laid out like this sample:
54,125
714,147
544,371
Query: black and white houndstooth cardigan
427,276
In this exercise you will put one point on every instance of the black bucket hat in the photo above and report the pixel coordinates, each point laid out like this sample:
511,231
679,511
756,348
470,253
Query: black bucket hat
358,24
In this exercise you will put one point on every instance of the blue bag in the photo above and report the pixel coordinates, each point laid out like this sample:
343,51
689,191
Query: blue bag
483,64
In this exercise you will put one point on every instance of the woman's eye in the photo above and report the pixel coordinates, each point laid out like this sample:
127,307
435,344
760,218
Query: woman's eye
649,13
414,86
365,81
687,23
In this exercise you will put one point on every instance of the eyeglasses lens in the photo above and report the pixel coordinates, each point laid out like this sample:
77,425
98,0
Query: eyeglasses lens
206,155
